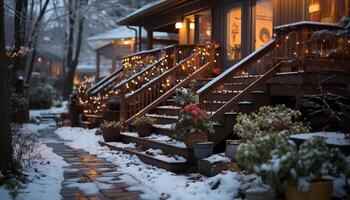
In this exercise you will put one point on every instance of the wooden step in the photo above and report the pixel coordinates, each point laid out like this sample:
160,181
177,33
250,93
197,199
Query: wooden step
223,97
163,119
168,110
166,147
160,129
87,124
176,167
246,107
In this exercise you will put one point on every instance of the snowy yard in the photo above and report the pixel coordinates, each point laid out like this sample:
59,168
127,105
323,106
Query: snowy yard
152,181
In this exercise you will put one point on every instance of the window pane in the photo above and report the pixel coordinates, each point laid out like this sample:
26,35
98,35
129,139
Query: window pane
204,29
263,22
328,10
233,34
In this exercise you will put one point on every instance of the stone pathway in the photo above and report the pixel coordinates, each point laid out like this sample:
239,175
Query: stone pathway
87,177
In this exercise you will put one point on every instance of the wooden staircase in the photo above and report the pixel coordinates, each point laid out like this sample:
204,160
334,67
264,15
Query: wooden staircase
243,88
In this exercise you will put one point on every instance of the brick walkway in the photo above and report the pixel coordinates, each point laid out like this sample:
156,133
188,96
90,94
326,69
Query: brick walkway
87,177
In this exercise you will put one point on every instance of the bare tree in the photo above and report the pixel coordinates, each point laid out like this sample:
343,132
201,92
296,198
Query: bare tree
5,133
71,60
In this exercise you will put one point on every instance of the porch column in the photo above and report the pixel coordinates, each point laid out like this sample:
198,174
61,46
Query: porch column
97,77
149,39
140,38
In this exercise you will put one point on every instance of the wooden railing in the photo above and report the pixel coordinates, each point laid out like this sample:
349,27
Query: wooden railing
138,65
104,82
292,42
140,101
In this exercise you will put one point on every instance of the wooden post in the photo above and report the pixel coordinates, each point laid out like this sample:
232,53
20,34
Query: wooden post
174,56
122,105
97,77
149,39
140,39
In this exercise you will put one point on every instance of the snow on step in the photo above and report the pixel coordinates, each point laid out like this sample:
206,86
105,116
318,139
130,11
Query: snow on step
169,107
161,116
217,158
155,153
160,139
165,126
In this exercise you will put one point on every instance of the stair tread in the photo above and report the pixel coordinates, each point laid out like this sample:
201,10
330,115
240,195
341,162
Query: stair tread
85,122
162,116
157,139
155,154
245,102
168,107
93,116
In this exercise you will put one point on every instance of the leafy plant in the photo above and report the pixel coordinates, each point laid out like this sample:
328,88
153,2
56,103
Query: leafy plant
112,124
40,97
18,104
192,119
141,121
184,96
278,161
315,161
268,120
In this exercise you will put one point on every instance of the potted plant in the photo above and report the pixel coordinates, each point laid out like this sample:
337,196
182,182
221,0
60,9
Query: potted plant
269,119
315,161
111,130
143,126
184,96
231,148
193,127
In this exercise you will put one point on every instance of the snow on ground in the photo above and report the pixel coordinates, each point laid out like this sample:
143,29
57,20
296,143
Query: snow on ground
331,138
152,181
46,178
52,110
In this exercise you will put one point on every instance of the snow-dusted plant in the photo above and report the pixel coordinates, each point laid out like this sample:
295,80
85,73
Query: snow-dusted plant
184,96
112,124
192,119
270,156
144,120
316,161
269,119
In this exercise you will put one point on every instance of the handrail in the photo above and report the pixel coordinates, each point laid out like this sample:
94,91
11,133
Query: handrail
306,24
228,106
169,71
125,81
245,61
169,92
107,78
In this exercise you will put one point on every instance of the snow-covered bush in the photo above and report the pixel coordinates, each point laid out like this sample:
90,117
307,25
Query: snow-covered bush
316,161
112,124
269,119
270,156
184,96
18,105
141,121
41,96
278,161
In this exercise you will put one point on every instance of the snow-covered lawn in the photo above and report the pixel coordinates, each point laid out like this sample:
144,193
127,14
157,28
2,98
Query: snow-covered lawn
45,178
155,183
52,110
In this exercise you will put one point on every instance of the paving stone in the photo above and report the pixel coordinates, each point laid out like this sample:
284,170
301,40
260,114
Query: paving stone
85,168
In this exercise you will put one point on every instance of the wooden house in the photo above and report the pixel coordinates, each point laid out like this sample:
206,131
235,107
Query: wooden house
242,54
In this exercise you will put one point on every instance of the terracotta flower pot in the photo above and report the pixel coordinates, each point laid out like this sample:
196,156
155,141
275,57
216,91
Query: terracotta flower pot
144,130
321,190
203,149
110,134
192,138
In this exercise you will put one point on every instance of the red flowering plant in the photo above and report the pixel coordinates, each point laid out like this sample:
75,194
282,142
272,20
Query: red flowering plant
192,119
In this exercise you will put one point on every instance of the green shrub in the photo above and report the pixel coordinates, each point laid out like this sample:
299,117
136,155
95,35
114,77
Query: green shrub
40,97
18,106
269,119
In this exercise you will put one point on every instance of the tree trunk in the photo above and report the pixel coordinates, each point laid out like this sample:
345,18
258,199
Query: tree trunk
72,63
5,133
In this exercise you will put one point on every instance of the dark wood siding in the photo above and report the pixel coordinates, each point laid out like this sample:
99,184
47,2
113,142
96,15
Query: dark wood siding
289,11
